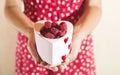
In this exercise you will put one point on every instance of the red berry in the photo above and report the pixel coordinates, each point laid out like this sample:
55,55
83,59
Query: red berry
54,24
47,24
61,33
49,35
63,26
63,57
43,31
54,30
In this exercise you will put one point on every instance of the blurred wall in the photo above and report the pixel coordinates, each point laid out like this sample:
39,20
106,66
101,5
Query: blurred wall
106,40
7,44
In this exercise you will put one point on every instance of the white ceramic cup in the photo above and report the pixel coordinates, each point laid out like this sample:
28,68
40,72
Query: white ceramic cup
52,50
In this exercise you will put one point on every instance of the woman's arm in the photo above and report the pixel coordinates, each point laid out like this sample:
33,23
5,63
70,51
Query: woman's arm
24,25
89,20
85,25
17,17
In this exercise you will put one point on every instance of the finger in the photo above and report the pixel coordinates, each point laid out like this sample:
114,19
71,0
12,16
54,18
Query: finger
62,66
70,57
48,66
43,63
34,53
55,68
72,54
38,26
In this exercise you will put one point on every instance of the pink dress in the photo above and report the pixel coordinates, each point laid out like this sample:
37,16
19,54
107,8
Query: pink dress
54,10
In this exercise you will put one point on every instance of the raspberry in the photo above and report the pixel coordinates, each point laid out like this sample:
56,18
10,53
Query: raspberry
54,30
54,24
49,35
43,31
61,33
47,24
63,57
63,26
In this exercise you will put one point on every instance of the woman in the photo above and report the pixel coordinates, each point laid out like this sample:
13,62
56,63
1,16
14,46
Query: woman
80,60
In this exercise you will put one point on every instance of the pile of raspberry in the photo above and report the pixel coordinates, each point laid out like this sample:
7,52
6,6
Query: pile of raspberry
53,30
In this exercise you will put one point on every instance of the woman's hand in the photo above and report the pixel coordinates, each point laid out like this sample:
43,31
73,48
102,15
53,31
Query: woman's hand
85,25
75,48
32,47
33,51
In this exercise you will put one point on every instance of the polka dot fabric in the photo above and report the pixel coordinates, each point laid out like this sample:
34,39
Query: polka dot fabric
54,10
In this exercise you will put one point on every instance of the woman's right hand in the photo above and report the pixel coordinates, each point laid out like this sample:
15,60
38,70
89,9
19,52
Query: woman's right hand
23,24
33,51
32,47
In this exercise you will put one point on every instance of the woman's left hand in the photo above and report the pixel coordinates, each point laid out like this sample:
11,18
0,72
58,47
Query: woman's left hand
75,48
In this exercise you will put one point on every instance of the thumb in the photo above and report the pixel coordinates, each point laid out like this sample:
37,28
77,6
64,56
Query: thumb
70,57
75,48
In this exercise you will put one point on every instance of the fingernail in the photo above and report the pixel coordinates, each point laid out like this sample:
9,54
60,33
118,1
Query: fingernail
55,69
36,62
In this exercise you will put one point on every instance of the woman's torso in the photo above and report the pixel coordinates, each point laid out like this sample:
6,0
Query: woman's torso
53,9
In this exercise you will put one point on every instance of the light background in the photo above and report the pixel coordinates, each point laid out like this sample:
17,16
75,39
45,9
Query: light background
106,40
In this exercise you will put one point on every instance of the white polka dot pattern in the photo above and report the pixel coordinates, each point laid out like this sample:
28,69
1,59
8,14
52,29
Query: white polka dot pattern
54,10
